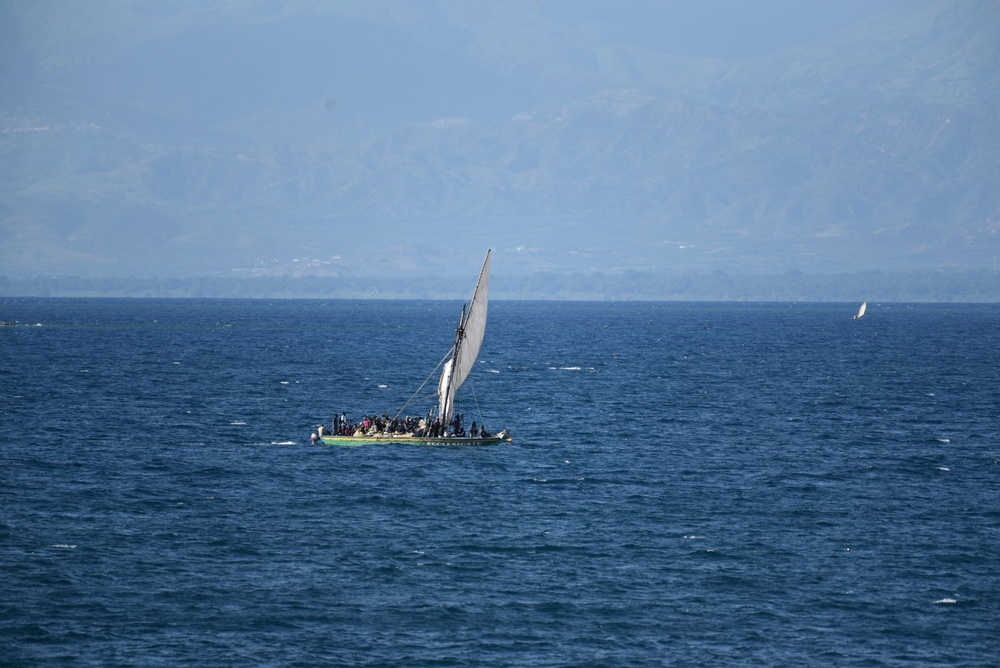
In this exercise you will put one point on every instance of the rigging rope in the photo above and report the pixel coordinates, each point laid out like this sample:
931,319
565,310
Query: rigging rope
413,396
475,400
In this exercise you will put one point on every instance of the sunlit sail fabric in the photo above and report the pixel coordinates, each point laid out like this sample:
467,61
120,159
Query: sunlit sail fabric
468,341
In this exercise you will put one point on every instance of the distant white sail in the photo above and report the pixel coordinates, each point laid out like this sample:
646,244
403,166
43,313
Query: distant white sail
861,311
468,341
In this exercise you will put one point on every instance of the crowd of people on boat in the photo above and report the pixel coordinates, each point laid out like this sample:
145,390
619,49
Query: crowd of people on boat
419,427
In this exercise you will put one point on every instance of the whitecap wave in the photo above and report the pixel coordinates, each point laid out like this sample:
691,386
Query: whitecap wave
946,601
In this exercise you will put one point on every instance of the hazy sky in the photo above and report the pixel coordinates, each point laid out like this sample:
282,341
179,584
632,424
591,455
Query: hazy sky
721,28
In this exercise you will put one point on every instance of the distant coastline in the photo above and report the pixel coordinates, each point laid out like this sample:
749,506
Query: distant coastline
931,286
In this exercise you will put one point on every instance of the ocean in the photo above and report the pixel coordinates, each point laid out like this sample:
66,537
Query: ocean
695,484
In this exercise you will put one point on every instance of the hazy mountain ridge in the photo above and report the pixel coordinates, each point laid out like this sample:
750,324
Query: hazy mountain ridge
870,148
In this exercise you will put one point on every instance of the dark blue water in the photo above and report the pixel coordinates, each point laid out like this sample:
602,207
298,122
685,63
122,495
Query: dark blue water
689,484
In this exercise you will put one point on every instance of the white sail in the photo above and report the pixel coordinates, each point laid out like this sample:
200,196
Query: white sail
861,311
468,341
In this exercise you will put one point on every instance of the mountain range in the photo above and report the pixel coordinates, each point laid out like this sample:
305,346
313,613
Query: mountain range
404,137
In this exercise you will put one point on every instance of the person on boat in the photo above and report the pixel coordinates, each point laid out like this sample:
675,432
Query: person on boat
321,431
474,431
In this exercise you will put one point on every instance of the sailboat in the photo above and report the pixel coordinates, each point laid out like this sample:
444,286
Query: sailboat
456,369
861,311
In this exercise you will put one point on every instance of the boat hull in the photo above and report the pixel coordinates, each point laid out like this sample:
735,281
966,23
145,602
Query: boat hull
408,439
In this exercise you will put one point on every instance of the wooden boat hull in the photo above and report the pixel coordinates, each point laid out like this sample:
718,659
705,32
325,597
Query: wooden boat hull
408,439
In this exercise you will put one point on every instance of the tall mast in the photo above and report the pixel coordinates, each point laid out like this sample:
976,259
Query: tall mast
455,347
468,340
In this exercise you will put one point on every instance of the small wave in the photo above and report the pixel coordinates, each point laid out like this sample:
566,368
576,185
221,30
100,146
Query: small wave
64,546
284,382
942,468
282,442
382,386
570,368
492,371
693,537
946,601
944,440
238,422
